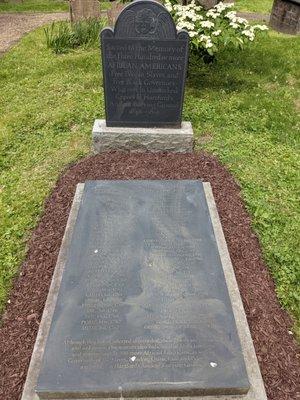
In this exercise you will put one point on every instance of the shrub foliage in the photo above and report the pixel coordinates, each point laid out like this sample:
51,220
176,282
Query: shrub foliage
62,37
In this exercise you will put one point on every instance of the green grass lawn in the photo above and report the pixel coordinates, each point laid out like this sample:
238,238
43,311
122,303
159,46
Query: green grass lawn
259,6
42,6
246,105
35,6
105,5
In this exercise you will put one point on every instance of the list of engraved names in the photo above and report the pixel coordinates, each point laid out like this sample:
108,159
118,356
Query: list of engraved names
145,77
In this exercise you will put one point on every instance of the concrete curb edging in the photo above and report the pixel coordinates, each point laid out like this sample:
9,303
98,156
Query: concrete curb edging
38,350
257,389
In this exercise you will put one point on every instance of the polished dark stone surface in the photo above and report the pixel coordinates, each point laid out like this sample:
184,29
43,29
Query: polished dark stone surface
143,308
144,63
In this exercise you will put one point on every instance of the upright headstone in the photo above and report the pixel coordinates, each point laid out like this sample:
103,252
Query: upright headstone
84,9
144,62
144,67
285,16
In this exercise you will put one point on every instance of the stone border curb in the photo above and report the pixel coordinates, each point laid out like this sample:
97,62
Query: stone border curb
38,350
257,389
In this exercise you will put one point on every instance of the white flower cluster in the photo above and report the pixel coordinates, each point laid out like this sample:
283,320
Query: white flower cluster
260,27
249,33
216,11
212,13
206,28
169,6
220,7
207,24
234,20
206,40
187,16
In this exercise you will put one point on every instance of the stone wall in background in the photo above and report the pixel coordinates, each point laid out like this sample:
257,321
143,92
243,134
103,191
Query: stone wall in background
285,16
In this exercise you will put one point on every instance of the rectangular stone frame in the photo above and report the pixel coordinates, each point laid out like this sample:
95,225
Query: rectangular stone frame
257,390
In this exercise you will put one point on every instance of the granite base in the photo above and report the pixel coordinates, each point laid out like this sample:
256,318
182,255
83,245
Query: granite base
176,140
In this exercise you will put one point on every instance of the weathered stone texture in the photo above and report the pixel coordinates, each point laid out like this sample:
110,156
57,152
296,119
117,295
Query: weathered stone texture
209,3
113,12
142,139
256,392
84,9
143,302
144,62
285,16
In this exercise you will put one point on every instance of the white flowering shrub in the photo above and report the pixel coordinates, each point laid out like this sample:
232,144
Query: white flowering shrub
212,30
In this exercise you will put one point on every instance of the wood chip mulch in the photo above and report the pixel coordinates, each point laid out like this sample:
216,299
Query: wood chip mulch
276,348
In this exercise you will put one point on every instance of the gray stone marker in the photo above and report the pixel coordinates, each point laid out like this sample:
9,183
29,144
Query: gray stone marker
208,3
84,9
142,139
285,16
143,308
144,64
256,391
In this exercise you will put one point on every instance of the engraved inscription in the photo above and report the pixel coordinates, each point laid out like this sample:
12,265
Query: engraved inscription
143,300
144,67
145,22
133,354
142,79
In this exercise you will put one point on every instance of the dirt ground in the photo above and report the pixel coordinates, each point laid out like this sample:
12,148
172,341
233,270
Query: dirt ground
250,16
14,25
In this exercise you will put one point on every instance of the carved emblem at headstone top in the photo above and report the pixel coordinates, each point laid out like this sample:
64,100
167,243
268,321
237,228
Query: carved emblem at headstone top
144,67
145,22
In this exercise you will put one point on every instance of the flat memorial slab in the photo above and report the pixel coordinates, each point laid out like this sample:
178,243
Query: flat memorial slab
143,307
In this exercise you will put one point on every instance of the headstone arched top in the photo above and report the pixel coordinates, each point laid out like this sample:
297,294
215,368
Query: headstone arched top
144,19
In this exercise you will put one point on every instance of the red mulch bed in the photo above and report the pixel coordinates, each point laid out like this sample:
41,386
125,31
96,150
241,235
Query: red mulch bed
277,350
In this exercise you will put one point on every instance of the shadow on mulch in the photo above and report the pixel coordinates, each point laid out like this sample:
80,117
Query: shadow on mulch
276,349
